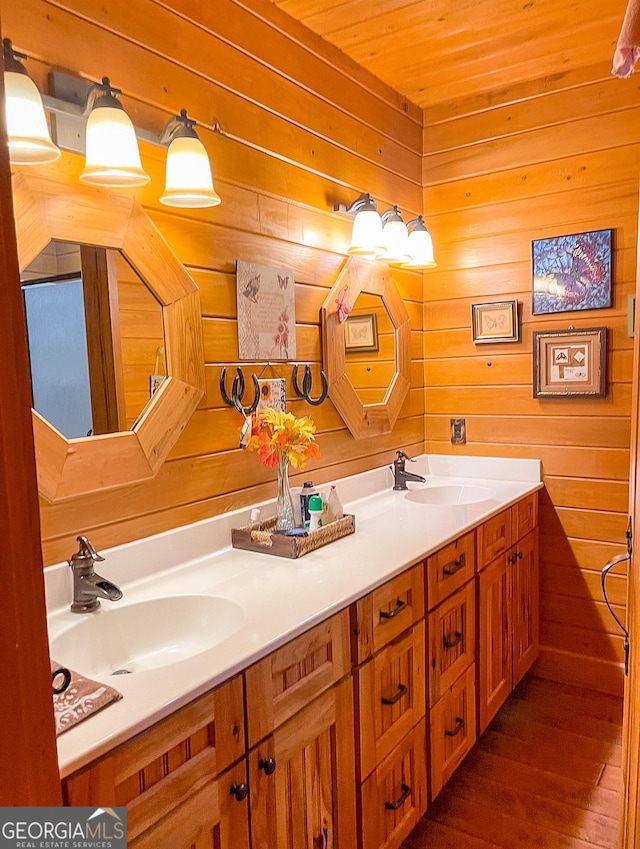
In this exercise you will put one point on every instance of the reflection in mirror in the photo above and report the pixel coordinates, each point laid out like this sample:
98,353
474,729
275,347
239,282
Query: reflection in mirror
95,334
370,348
367,360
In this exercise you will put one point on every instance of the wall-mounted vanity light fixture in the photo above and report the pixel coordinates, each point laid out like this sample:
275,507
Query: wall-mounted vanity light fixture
386,237
395,237
112,157
27,130
366,235
89,119
419,246
188,175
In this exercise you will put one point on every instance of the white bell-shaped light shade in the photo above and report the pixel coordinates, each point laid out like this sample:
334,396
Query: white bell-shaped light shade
394,236
27,130
188,175
366,235
112,155
420,247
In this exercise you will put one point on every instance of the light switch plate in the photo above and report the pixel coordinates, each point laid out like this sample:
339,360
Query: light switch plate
458,431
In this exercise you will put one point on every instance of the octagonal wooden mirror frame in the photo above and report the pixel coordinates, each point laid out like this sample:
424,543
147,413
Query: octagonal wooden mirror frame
46,209
358,276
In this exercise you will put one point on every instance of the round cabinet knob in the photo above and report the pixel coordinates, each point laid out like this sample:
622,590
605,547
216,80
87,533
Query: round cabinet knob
267,765
239,792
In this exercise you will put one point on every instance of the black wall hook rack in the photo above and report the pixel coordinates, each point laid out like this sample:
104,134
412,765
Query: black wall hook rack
237,391
304,391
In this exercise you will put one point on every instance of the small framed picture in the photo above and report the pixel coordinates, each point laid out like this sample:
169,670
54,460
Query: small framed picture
361,333
572,272
569,363
496,322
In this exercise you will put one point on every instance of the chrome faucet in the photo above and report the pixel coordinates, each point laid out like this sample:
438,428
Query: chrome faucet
400,475
88,587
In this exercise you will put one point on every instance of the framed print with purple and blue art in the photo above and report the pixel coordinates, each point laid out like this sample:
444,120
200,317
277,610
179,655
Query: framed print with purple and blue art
572,272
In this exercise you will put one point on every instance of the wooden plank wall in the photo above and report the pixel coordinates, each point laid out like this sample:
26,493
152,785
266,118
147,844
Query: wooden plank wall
550,157
311,129
141,338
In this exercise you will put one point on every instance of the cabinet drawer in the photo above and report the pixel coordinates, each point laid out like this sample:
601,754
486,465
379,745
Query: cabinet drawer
494,538
394,797
390,691
290,677
524,516
385,613
212,818
160,768
450,568
451,640
453,730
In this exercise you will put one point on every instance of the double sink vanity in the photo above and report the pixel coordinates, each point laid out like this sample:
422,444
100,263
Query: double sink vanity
317,702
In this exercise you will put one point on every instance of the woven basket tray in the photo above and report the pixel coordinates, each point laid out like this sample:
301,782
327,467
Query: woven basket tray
259,536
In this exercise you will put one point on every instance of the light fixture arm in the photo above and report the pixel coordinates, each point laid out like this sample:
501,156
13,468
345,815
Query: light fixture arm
13,59
361,203
102,95
178,127
417,223
392,214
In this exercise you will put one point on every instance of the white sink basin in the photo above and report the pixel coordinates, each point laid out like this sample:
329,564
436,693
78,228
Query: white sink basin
146,634
451,494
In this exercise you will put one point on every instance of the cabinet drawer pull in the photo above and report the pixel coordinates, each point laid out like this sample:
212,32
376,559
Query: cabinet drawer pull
406,792
391,614
239,791
448,570
458,728
402,689
450,642
267,765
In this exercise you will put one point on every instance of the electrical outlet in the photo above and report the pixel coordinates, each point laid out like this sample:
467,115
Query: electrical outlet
458,431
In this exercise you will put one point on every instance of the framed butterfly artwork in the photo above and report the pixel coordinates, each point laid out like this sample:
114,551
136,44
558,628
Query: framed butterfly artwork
266,312
495,322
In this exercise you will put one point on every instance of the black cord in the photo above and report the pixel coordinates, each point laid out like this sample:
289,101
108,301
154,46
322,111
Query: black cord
603,577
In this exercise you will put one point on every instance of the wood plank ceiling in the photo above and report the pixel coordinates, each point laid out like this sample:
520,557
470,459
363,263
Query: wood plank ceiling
434,51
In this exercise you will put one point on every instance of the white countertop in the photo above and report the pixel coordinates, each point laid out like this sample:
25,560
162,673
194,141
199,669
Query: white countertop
280,598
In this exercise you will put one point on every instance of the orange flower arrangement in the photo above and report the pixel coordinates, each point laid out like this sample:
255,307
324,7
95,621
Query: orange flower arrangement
279,436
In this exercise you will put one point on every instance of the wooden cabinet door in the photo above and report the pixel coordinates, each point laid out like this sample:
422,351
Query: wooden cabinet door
390,692
525,605
494,639
493,538
394,797
524,516
453,729
215,816
388,611
450,568
158,770
302,778
452,640
289,678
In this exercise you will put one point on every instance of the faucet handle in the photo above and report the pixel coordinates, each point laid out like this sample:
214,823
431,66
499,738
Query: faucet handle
400,455
86,550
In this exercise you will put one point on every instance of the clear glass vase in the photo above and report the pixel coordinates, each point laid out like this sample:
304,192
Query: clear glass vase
284,505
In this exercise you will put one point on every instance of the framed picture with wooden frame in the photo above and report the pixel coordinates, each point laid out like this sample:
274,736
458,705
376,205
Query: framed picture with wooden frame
495,322
361,333
570,363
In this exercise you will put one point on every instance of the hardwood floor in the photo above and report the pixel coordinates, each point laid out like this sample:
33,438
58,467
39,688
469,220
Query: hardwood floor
545,775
